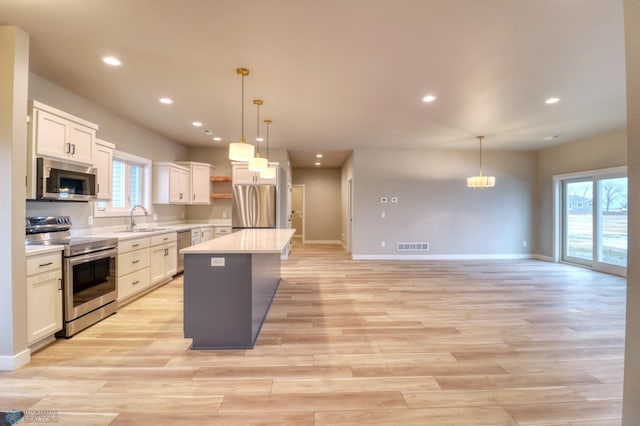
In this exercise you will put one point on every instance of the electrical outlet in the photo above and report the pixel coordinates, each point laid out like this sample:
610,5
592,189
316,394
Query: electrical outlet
524,243
90,220
383,215
224,215
155,216
383,244
181,215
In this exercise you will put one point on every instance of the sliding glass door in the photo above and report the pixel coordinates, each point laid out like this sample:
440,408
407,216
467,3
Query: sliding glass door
595,222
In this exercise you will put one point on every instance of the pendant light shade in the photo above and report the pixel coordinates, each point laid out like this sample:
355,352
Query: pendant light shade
481,181
269,172
241,151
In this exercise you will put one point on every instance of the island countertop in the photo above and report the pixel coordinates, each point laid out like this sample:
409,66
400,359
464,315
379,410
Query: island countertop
245,241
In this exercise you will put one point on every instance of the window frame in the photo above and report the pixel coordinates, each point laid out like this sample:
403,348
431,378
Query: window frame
146,166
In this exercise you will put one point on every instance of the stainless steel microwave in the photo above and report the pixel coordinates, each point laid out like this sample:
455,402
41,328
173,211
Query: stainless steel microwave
57,180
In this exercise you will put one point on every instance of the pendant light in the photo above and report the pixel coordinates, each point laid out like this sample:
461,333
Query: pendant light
269,172
480,181
257,163
241,151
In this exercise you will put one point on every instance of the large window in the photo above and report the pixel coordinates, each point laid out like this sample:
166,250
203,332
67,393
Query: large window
594,220
131,185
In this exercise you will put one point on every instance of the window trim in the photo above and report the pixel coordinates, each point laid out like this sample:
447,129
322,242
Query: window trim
146,165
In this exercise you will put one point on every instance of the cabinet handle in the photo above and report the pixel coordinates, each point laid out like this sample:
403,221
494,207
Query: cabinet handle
135,261
59,284
135,245
97,187
73,151
68,148
42,265
165,238
136,282
194,197
166,252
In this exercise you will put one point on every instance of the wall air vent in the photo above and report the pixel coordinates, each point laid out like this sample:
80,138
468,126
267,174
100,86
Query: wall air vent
412,247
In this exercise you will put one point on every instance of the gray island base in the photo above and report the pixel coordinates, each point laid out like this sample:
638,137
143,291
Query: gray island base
229,284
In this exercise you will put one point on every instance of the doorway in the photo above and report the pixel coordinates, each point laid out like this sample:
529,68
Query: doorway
594,220
297,211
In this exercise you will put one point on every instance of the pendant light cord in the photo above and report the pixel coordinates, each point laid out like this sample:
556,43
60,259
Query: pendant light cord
242,113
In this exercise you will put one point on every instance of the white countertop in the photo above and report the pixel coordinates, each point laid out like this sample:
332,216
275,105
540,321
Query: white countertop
245,241
122,234
32,250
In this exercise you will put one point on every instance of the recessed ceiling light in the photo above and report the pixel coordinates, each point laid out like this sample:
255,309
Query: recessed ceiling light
551,101
318,155
197,124
260,139
166,101
111,60
317,164
429,98
217,139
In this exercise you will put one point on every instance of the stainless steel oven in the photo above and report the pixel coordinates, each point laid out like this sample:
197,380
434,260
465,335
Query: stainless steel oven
89,271
89,288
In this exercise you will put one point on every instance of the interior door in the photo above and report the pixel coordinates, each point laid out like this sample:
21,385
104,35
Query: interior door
297,209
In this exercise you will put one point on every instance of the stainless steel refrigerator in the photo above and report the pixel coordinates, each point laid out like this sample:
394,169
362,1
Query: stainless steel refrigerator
254,206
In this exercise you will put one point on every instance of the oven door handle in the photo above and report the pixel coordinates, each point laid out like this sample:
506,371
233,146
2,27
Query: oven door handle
92,256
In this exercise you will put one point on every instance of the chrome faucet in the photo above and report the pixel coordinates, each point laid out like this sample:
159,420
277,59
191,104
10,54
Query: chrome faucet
133,223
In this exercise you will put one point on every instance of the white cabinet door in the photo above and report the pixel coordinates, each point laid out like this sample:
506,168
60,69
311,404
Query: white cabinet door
81,140
102,161
44,295
62,138
242,175
200,184
163,262
170,184
51,135
206,233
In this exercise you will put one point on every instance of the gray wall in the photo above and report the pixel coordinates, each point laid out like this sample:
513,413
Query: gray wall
126,135
631,408
600,152
322,208
435,205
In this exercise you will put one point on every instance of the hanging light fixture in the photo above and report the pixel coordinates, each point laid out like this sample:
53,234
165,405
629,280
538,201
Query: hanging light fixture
481,181
269,172
241,151
257,163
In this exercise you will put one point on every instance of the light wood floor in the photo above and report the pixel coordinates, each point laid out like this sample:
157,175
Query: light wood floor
355,343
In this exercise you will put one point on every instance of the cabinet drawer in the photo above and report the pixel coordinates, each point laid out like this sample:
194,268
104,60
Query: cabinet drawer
132,283
163,238
136,244
133,261
44,263
222,230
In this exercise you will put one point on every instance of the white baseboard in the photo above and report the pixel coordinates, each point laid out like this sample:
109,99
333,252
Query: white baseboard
542,257
441,256
13,362
322,242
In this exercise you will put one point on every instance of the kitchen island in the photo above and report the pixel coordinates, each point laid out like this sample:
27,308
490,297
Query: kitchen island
229,283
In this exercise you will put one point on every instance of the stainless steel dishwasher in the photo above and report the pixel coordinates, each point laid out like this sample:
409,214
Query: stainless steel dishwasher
184,241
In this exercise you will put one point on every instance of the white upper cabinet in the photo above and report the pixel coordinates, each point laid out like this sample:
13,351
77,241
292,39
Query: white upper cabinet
171,184
57,134
103,162
200,182
242,175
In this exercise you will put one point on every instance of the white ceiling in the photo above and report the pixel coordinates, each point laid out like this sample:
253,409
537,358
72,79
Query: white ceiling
342,74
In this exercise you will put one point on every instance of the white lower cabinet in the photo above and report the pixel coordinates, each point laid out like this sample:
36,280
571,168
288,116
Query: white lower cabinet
44,295
133,267
206,233
221,231
164,257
